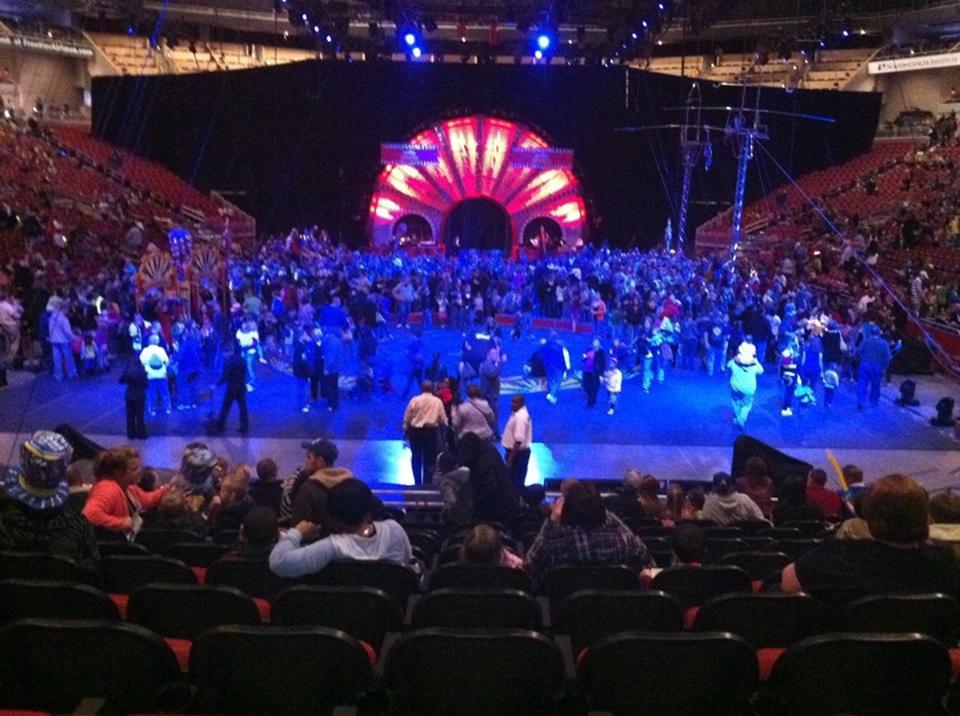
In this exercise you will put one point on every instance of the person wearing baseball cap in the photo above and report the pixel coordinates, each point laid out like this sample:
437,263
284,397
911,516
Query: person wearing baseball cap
726,505
36,518
317,477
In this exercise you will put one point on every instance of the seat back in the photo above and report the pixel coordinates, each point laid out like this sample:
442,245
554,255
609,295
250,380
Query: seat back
157,540
427,540
862,674
762,620
394,579
560,583
780,533
227,538
727,532
508,672
479,576
251,576
111,548
678,674
124,574
477,609
694,586
719,547
53,664
750,527
184,611
758,565
808,528
590,615
365,613
794,548
28,598
41,565
261,670
195,554
936,615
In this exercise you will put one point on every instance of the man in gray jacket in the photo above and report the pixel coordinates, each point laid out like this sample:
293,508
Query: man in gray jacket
726,505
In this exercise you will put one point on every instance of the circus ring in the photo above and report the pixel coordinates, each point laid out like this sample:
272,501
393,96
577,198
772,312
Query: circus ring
478,182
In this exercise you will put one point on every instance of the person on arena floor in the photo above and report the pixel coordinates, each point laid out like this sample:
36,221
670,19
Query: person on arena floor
234,377
36,518
134,376
744,369
516,440
422,420
356,536
155,362
897,559
585,533
726,505
116,501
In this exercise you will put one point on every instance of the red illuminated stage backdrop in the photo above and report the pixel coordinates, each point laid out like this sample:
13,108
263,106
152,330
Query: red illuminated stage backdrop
477,182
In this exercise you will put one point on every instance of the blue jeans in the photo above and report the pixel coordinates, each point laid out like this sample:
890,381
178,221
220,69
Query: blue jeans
715,356
251,358
869,377
157,388
63,358
742,403
554,380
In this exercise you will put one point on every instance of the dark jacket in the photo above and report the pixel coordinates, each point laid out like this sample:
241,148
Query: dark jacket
311,501
230,517
234,374
135,378
494,496
267,494
63,532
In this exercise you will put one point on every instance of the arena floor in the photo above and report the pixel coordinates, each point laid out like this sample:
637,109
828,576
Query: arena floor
682,429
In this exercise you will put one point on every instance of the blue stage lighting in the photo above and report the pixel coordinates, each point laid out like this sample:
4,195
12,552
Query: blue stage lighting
538,55
416,52
410,39
543,41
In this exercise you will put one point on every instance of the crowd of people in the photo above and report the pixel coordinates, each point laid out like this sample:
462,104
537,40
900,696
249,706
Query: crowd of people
889,536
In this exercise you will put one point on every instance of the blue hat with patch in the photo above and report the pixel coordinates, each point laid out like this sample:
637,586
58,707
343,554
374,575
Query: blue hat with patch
41,480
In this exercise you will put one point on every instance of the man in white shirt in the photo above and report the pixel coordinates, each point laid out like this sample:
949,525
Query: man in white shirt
357,536
155,361
248,339
422,420
517,437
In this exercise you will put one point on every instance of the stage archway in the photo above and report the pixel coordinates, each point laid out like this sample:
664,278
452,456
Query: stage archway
478,157
477,223
413,230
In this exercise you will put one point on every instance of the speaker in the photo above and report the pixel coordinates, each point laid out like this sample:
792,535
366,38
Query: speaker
913,358
944,417
83,447
779,465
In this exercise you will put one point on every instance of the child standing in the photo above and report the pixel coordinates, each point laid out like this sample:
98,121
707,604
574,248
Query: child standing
613,382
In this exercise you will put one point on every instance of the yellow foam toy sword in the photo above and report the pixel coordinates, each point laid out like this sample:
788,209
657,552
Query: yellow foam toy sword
838,470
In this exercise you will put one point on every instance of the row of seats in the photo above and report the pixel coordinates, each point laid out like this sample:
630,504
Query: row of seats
631,656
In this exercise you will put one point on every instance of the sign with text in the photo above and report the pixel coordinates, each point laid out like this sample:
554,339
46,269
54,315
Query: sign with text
416,155
44,45
542,159
916,62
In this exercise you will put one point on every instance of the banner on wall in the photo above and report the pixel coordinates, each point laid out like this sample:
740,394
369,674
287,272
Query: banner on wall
916,62
414,155
539,158
42,45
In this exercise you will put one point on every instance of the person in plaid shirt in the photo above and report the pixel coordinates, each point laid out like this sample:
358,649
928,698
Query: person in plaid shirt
580,531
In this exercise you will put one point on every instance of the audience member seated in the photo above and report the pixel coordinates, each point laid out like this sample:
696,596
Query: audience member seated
355,536
581,531
116,500
677,507
484,546
494,496
626,503
897,559
533,507
792,503
258,534
689,544
36,518
822,496
697,500
173,514
726,505
945,521
854,527
196,479
853,476
310,500
267,490
757,484
232,503
455,489
648,497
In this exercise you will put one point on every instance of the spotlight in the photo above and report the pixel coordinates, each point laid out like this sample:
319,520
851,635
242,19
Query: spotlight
538,55
633,35
416,52
845,33
645,24
543,41
329,38
661,6
304,17
316,29
131,30
410,39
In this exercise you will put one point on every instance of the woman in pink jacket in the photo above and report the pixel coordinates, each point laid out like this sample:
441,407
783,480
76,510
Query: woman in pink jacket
116,501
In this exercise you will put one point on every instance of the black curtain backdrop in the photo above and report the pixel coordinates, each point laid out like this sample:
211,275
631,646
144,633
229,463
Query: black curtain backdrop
478,223
299,143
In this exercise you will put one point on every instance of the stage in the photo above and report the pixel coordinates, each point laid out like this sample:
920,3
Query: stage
681,430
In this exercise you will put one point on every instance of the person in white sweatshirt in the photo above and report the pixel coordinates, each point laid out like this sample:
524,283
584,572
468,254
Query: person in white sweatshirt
726,505
613,382
155,361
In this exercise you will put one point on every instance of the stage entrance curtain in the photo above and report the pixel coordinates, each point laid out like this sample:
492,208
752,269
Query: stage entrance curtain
478,223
